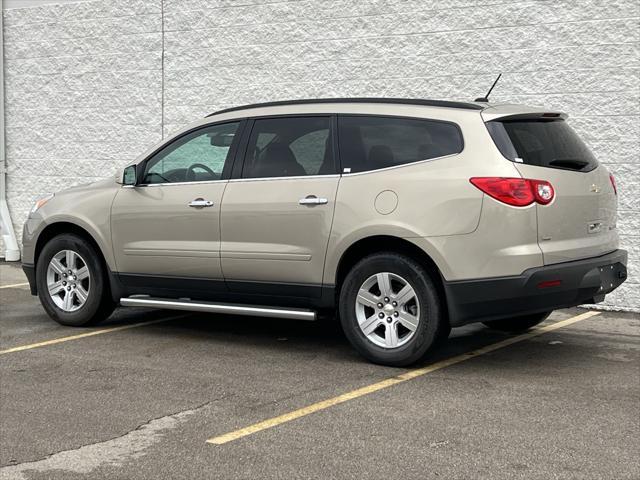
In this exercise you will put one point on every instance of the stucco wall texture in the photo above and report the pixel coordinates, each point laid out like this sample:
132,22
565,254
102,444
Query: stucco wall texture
90,85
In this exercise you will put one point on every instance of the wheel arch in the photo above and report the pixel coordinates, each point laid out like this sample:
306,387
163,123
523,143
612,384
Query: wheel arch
58,228
386,243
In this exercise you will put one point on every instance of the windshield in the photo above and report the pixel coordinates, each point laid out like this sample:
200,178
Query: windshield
542,142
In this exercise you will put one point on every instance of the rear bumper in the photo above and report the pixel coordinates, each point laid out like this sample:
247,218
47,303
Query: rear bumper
536,290
30,272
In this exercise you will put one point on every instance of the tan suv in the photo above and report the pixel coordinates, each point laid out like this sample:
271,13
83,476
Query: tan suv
407,216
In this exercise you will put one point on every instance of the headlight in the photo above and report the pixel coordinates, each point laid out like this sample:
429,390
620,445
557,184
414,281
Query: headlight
39,203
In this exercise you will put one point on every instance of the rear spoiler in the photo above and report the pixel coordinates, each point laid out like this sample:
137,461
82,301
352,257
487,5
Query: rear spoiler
513,112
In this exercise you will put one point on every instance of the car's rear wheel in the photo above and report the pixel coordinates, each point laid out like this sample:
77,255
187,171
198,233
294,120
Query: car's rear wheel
72,282
518,324
390,309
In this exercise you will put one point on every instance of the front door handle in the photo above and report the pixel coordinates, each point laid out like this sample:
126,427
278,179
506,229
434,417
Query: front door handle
200,203
313,200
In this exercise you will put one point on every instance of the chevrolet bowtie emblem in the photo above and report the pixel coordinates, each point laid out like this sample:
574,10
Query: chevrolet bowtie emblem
595,188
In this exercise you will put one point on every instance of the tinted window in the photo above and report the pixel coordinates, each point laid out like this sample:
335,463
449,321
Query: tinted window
196,157
544,143
291,146
370,143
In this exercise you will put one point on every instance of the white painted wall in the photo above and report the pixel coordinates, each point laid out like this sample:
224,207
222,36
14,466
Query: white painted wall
33,3
87,87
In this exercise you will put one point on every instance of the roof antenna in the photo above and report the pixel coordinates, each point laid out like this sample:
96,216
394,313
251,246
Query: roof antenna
486,97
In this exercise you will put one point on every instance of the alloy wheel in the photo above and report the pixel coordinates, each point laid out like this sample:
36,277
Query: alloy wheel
387,310
68,280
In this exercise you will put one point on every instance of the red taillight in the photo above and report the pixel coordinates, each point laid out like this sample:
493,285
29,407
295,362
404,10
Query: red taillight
518,192
512,191
613,183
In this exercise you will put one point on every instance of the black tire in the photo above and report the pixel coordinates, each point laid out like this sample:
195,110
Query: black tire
98,305
518,324
430,324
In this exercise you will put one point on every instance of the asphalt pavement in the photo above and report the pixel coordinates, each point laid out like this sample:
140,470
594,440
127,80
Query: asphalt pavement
140,396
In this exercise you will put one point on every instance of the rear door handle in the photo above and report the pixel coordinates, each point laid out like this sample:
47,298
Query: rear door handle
200,203
313,200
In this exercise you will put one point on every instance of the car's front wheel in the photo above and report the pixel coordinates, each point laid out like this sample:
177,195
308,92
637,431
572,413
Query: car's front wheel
390,309
72,282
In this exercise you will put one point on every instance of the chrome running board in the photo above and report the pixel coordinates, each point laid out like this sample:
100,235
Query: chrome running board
211,307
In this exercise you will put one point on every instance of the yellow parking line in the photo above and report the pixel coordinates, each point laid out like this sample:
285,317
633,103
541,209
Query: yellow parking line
14,285
374,387
85,335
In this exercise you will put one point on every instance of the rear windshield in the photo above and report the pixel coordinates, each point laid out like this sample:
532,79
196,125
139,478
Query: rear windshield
542,142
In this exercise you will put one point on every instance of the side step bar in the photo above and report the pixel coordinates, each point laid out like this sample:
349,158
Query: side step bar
228,308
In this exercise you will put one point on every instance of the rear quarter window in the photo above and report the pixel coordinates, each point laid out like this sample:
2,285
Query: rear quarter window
543,143
375,142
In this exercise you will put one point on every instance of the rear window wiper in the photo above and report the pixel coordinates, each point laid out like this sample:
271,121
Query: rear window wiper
572,163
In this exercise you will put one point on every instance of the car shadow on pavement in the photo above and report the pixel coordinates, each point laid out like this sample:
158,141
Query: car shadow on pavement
291,335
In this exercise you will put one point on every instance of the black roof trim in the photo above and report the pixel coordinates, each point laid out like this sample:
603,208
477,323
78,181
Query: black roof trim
403,101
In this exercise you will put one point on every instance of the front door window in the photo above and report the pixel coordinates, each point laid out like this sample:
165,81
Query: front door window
199,156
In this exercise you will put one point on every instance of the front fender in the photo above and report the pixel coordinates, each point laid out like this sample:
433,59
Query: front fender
87,208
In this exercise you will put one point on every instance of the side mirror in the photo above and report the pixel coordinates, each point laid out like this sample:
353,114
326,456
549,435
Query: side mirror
129,176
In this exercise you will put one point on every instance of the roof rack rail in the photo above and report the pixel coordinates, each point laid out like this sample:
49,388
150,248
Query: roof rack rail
403,101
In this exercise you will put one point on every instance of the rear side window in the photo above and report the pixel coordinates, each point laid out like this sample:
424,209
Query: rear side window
289,146
371,143
543,143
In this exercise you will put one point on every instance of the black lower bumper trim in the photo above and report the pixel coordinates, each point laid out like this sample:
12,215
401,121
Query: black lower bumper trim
538,289
30,272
